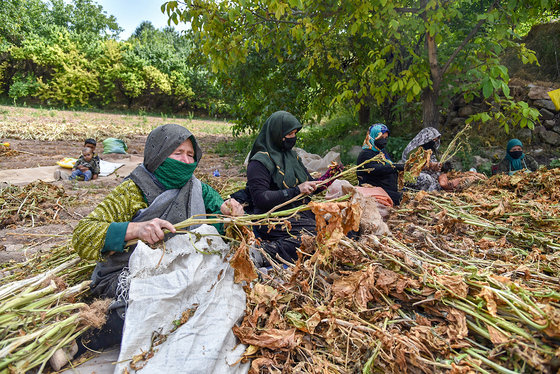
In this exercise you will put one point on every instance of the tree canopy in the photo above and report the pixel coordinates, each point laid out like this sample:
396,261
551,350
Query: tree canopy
68,53
377,52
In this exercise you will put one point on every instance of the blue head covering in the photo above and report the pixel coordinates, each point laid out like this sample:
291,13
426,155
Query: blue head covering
374,132
515,163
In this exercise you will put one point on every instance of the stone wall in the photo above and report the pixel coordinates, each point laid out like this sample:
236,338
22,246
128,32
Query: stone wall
547,131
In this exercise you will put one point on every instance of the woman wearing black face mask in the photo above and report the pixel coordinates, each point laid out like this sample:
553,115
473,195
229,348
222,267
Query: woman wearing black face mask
275,174
516,160
379,174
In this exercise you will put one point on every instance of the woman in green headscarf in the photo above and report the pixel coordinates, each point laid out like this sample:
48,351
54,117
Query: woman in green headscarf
516,160
275,174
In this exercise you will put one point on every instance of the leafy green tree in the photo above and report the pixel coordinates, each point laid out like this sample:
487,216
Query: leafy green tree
421,50
178,59
68,75
49,48
20,18
84,17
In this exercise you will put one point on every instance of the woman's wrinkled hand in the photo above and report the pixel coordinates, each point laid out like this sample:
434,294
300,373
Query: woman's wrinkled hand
231,207
307,188
150,231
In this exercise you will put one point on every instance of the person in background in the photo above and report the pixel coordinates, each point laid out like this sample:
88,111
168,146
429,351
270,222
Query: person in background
383,173
275,175
92,143
429,139
516,160
86,167
159,193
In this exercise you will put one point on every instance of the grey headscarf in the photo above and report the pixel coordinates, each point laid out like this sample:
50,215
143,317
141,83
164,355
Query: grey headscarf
423,137
160,144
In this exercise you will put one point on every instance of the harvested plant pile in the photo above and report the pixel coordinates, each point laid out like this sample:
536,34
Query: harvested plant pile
6,151
36,203
467,283
41,308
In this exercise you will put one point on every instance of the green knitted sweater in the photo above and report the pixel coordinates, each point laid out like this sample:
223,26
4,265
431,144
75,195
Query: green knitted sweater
104,229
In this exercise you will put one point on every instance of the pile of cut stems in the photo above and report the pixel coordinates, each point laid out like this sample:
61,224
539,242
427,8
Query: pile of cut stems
44,261
38,316
506,320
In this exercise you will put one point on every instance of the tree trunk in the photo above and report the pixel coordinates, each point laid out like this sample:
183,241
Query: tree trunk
364,114
430,110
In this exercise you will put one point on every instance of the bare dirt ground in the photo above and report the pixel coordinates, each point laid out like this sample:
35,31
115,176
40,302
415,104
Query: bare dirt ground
19,239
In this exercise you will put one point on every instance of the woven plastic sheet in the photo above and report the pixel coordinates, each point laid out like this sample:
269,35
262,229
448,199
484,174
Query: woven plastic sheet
192,277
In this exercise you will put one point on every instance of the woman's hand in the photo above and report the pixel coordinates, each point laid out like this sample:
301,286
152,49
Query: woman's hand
150,231
231,207
307,188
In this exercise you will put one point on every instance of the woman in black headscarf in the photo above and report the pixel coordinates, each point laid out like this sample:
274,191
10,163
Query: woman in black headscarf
275,174
159,193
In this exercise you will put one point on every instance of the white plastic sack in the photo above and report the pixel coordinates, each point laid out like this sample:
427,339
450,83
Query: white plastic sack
106,168
162,288
312,162
315,163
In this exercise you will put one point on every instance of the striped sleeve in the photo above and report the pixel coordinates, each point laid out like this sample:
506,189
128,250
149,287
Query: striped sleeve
120,205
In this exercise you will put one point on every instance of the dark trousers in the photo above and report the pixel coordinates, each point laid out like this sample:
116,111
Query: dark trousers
108,335
278,241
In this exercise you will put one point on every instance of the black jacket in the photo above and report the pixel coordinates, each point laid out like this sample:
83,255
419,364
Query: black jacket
379,175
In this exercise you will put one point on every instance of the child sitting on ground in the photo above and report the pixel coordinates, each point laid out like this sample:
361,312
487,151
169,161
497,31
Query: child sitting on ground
91,143
86,166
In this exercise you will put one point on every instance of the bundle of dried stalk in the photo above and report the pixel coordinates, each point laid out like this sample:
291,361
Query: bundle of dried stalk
42,308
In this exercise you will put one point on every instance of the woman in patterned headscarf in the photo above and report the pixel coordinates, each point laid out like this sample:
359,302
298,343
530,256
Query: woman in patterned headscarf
516,160
159,193
384,173
427,138
275,174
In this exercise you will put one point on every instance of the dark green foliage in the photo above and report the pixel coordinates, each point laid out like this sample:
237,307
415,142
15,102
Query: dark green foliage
343,131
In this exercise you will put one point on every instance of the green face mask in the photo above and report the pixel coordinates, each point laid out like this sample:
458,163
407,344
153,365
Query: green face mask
174,174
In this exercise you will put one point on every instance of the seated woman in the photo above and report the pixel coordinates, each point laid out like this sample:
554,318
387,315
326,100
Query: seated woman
382,174
159,193
275,175
428,180
516,160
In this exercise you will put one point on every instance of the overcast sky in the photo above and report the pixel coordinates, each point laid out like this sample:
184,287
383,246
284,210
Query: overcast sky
130,13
